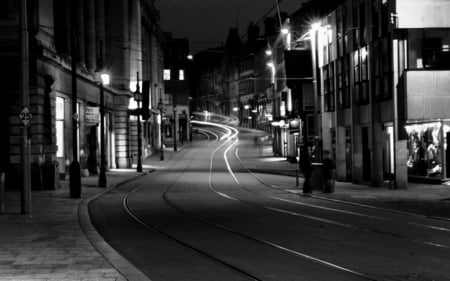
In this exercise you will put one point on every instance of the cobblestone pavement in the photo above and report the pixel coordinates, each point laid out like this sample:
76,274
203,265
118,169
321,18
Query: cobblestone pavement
49,244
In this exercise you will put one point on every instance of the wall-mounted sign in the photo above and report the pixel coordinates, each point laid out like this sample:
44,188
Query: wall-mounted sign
92,115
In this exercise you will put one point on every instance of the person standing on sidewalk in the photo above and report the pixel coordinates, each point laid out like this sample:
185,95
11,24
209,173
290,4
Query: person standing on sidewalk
306,166
329,168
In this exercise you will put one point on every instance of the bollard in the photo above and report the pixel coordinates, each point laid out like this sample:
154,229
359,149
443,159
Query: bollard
296,177
2,193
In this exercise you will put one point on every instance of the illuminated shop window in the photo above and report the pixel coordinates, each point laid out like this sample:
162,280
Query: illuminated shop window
427,149
166,74
181,75
59,127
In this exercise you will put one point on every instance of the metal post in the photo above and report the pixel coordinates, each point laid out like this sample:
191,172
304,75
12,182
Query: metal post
174,128
102,176
139,160
75,169
317,144
25,100
161,126
162,136
2,193
275,138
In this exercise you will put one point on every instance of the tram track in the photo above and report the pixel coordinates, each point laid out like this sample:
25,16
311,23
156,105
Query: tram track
278,188
250,276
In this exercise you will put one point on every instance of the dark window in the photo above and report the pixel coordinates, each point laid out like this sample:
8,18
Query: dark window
385,17
4,10
362,24
346,81
344,28
432,47
375,18
9,9
355,23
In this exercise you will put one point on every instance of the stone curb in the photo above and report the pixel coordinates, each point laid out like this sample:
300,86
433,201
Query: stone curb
129,271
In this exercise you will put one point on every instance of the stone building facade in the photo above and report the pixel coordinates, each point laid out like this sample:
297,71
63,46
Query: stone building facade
120,37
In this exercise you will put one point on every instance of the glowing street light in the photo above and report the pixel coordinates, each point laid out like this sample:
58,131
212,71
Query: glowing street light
315,29
104,80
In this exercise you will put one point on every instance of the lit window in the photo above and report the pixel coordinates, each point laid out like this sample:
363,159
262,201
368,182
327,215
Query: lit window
166,74
181,74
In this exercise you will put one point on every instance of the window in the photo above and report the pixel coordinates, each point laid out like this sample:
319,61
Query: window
181,75
9,10
166,74
360,72
59,127
328,73
432,47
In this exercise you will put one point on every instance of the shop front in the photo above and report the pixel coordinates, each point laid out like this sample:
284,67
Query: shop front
427,150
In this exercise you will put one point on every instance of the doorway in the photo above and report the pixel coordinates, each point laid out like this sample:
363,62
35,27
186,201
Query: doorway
367,167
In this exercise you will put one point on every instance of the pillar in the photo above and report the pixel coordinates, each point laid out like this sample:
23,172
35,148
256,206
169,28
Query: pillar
89,7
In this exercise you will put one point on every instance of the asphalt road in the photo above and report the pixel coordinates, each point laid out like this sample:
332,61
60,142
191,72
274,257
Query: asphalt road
205,217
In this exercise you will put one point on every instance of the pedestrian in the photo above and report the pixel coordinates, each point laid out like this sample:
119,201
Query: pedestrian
306,166
329,169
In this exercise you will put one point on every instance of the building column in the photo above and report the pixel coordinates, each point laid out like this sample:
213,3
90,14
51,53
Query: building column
117,47
89,7
121,126
80,32
100,36
135,39
378,146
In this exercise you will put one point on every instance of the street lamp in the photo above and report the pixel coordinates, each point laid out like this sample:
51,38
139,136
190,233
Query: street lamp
275,140
104,80
161,108
314,34
138,98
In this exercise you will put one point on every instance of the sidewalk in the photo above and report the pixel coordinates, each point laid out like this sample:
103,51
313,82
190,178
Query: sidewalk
50,244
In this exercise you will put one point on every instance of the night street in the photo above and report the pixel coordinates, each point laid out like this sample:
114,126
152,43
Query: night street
203,216
222,140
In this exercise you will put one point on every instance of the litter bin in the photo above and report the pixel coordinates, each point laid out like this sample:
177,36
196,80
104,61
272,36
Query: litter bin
317,176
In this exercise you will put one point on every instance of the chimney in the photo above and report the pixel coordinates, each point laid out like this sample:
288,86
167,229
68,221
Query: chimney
252,32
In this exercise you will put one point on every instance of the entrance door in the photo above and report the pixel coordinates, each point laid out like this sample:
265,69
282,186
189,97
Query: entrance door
92,141
366,154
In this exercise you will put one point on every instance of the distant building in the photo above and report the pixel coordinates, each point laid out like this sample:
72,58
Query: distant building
122,37
177,77
384,73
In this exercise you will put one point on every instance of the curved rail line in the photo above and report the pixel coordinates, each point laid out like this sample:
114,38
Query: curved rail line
342,202
333,222
234,231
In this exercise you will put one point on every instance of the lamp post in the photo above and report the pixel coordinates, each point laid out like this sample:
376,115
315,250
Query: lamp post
138,98
275,139
189,118
174,127
314,33
161,108
75,169
102,176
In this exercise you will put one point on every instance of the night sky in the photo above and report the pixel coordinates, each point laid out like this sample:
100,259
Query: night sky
206,22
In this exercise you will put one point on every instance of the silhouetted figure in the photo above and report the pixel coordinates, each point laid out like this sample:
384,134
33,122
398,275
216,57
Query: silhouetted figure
329,167
306,166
